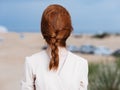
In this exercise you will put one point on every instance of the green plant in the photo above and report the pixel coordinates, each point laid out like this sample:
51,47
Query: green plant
118,62
107,77
93,68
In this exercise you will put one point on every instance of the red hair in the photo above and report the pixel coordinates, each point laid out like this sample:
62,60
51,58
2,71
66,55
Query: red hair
56,27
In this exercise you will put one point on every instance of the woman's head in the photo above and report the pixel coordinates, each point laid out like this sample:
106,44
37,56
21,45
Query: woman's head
56,27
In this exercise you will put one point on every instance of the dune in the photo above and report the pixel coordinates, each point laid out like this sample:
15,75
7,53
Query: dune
16,46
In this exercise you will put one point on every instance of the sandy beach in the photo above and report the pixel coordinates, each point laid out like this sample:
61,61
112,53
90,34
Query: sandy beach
14,47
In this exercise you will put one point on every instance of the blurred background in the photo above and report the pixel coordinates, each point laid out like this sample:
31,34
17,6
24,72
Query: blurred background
96,37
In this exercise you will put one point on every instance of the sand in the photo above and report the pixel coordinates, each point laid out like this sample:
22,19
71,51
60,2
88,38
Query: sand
14,47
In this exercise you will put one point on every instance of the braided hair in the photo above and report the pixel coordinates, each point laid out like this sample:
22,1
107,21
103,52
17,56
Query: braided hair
56,28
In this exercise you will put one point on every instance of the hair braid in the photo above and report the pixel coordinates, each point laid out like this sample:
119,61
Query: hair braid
54,62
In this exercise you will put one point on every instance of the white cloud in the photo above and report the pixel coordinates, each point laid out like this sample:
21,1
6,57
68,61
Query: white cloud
3,29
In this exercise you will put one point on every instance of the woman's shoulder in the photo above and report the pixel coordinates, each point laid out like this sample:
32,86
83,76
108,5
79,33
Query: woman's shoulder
80,62
77,58
36,57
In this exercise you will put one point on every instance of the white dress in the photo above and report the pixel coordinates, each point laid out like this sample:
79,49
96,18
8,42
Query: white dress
71,75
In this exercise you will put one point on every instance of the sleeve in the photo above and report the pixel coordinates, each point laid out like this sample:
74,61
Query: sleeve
84,76
27,83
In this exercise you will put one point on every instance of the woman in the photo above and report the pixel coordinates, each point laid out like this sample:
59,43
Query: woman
55,68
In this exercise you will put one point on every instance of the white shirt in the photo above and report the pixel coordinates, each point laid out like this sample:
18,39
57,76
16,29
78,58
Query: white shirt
71,75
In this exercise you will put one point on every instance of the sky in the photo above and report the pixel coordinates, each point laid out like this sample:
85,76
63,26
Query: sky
88,16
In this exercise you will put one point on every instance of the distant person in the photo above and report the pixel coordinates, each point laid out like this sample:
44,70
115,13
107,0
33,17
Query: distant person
55,68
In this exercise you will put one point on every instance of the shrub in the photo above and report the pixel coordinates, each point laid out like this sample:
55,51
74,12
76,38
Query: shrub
102,35
105,77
